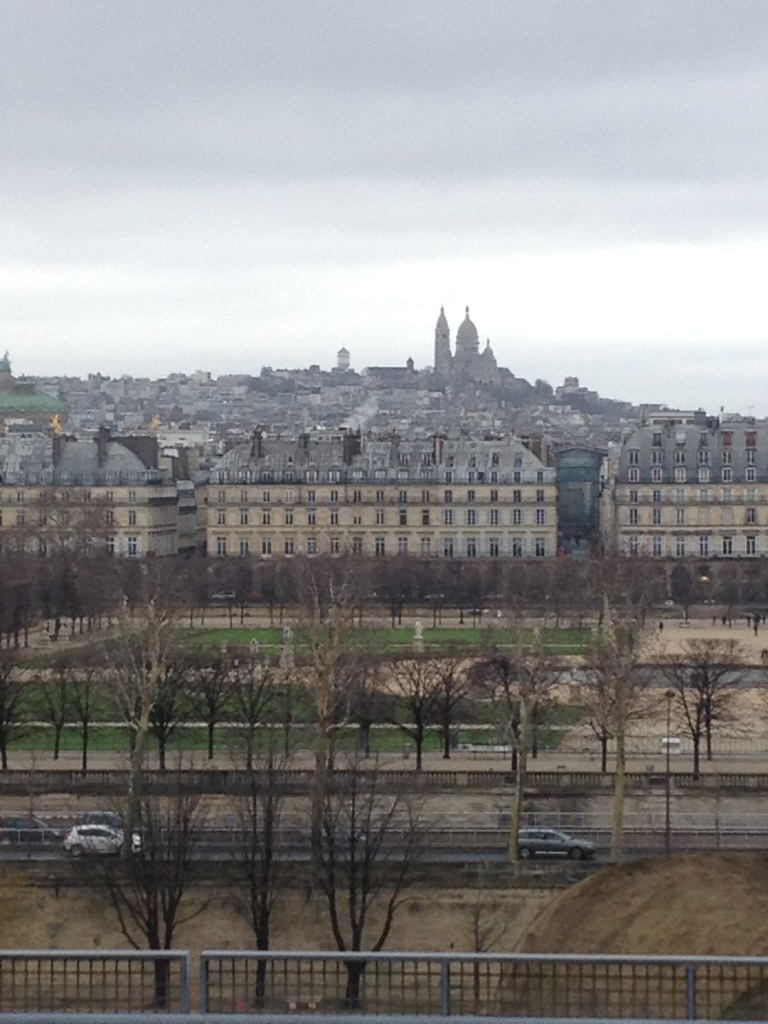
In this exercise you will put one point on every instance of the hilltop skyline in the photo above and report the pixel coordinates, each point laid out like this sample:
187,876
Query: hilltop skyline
230,185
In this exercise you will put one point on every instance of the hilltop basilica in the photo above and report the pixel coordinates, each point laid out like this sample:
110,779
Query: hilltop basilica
468,364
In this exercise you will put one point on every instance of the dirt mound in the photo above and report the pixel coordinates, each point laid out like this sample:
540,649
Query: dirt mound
688,904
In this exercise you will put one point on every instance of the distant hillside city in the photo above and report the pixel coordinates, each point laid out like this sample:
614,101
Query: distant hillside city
461,460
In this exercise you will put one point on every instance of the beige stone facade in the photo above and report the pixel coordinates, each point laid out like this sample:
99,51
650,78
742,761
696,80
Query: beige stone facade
331,493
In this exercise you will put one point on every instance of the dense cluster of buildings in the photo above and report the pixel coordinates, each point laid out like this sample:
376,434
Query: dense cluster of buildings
163,467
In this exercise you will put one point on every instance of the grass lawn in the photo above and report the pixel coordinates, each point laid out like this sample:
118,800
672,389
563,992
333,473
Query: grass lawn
559,641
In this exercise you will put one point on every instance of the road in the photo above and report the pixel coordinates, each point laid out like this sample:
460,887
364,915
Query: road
454,846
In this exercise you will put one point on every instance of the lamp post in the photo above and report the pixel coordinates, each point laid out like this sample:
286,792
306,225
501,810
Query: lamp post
668,779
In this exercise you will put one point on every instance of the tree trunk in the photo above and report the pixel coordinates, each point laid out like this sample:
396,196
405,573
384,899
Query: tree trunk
620,778
696,755
211,727
516,814
604,752
84,758
355,970
161,984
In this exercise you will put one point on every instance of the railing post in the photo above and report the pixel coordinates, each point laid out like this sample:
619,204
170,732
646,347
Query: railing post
445,988
203,983
690,974
185,1001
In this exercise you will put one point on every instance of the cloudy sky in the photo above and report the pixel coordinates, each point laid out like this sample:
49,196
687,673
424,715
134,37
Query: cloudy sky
226,184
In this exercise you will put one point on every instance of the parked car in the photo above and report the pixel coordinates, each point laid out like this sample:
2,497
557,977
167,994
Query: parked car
23,829
98,839
549,842
112,818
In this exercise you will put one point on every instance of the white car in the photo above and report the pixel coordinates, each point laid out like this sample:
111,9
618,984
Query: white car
100,839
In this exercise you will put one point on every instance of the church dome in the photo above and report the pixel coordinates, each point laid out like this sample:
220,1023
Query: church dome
466,336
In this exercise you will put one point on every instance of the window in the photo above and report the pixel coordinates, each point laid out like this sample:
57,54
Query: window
680,496
751,545
750,455
266,546
725,456
449,476
403,497
403,517
288,517
634,456
493,517
312,496
704,545
750,439
656,438
357,545
425,546
425,497
266,517
633,476
221,516
633,544
656,475
288,546
288,498
540,547
243,516
243,497
727,544
703,439
132,516
679,517
448,497
655,495
680,475
132,546
634,496
657,457
657,546
494,547
110,545
750,494
357,520
357,497
380,497
726,438
727,474
334,498
750,515
517,547
132,497
727,494
311,516
494,496
517,497
311,546
425,517
20,517
517,477
379,516
334,517
471,517
704,495
402,545
380,546
222,496
109,518
540,496
470,496
334,545
656,516
471,547
680,547
447,517
680,457
634,516
447,547
517,517
541,516
494,476
703,474
266,497
221,546
245,548
750,474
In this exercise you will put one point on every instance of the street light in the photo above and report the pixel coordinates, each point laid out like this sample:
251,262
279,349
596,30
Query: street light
667,779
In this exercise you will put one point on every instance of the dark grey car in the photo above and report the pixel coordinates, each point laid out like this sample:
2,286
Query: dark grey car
550,842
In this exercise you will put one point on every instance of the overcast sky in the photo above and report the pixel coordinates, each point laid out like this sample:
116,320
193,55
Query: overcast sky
226,184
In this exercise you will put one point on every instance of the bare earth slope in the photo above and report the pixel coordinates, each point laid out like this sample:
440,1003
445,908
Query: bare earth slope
688,904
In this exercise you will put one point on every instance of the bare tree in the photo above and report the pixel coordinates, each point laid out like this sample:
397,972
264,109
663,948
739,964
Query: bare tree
55,707
13,704
703,679
84,691
415,685
255,868
170,704
252,682
210,692
149,889
371,841
453,688
612,666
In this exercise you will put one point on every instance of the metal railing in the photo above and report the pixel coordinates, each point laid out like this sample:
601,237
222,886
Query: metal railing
90,981
511,985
